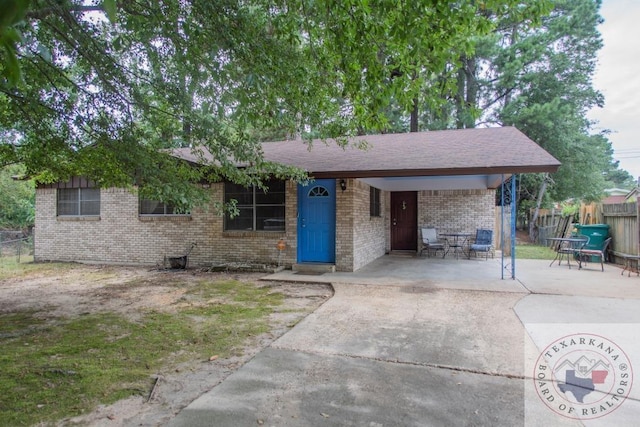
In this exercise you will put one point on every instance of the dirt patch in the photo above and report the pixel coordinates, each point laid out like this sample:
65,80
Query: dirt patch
131,291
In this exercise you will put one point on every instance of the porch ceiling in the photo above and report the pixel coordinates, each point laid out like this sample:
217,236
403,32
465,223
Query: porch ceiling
453,182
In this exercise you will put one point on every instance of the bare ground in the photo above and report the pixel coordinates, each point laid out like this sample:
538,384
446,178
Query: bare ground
133,290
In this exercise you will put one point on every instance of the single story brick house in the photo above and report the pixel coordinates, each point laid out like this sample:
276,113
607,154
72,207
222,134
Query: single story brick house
361,204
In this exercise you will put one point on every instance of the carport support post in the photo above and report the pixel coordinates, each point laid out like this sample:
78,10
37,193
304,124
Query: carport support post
513,225
514,205
502,225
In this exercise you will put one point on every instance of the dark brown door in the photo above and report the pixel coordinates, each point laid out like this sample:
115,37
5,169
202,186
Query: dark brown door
404,220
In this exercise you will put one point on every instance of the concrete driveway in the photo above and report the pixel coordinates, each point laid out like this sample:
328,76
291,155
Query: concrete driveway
412,341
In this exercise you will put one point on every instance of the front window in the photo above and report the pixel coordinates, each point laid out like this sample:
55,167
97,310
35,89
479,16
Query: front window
258,210
78,202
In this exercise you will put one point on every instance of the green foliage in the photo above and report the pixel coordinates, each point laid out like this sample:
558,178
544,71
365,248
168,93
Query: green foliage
17,199
619,178
570,208
106,85
544,79
66,366
12,13
533,71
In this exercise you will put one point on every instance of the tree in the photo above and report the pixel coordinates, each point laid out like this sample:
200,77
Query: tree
17,200
553,96
535,75
84,96
616,177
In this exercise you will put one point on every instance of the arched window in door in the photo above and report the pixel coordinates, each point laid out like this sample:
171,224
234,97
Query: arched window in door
318,191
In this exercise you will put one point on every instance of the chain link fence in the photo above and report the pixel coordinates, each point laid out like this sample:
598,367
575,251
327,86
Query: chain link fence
15,248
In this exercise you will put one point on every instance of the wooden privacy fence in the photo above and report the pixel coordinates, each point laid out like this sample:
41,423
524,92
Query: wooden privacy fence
591,213
623,227
550,223
622,218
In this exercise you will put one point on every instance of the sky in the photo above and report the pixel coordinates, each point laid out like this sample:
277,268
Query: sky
618,78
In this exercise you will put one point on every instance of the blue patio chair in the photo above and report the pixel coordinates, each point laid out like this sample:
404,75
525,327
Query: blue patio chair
482,243
430,242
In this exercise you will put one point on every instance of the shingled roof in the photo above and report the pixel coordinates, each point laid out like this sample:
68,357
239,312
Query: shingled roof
485,151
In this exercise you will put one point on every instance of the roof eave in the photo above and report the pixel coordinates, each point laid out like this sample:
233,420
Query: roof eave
493,170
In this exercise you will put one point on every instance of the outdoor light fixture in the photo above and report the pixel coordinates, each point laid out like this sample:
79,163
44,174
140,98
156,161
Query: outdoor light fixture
343,184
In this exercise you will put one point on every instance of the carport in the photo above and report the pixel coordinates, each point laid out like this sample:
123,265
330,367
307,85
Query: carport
370,194
443,179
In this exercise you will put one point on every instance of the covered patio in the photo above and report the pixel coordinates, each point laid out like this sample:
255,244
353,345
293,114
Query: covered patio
445,180
370,195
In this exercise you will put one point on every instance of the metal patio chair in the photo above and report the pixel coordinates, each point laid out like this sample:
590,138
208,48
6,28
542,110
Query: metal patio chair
430,242
482,243
585,254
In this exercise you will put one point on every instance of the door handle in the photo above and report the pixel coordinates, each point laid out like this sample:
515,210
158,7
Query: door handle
395,222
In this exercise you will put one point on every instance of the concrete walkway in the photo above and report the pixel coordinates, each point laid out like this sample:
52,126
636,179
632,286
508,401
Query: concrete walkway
412,341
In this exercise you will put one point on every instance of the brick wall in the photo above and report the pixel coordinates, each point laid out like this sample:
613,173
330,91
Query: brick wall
121,236
344,227
369,235
360,238
457,210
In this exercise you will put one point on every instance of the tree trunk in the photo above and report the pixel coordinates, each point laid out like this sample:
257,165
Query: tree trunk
414,116
533,230
460,96
471,69
467,93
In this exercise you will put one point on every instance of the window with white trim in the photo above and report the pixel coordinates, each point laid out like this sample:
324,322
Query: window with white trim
258,210
78,202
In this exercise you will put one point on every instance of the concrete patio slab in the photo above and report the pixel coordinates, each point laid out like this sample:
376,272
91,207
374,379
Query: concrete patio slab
540,278
532,276
434,272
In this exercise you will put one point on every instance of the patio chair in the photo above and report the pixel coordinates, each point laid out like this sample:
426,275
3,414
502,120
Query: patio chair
430,241
483,243
585,254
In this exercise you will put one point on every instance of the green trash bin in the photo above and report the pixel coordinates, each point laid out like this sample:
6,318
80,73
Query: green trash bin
597,234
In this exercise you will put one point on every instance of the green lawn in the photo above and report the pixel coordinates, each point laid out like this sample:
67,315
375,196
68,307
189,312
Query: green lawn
534,252
57,367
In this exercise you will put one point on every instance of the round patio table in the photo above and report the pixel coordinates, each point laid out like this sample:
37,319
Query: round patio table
566,247
459,241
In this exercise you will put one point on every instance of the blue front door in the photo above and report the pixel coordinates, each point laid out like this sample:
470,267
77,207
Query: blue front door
317,221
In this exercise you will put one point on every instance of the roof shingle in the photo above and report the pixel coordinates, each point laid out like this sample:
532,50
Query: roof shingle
449,152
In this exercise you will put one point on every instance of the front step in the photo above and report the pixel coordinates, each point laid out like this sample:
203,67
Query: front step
314,268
